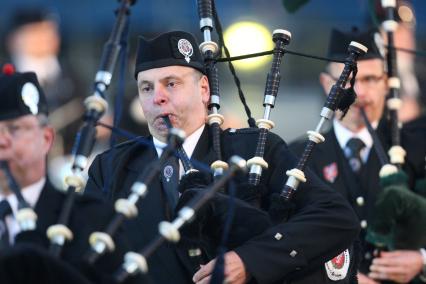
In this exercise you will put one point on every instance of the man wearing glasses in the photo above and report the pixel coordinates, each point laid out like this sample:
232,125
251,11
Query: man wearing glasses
347,160
25,140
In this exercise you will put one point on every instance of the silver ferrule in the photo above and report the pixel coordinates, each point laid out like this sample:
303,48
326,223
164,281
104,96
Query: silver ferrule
59,240
215,100
80,163
292,182
99,247
27,225
256,169
187,213
327,113
218,172
139,188
131,267
103,77
206,23
269,100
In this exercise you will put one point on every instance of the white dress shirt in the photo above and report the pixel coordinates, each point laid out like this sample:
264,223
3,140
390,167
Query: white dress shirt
343,135
31,194
188,145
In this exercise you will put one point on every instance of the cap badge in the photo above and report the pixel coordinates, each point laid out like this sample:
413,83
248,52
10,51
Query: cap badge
185,48
30,97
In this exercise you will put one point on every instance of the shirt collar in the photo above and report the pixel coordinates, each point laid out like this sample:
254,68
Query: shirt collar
188,145
343,134
30,193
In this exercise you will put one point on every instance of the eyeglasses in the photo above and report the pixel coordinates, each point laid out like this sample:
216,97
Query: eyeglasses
16,130
368,81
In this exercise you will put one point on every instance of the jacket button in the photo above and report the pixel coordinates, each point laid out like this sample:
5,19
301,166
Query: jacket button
194,252
360,201
278,236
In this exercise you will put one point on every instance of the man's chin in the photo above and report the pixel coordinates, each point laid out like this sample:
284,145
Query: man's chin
160,135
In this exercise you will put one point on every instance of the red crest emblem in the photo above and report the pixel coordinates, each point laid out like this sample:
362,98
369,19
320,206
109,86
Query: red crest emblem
330,172
338,267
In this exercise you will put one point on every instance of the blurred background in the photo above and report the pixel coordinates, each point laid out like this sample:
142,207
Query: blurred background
83,27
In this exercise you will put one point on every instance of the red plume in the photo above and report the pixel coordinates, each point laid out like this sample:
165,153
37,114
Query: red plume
8,69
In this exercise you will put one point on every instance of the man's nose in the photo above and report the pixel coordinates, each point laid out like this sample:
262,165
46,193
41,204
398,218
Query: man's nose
5,137
160,95
360,90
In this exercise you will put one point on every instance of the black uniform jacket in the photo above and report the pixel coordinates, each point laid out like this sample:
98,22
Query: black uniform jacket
329,162
322,226
89,214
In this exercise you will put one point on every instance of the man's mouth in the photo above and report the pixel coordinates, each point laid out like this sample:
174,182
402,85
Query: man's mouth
161,120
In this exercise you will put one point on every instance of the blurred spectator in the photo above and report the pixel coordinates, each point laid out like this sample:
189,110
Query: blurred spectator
404,38
409,92
33,43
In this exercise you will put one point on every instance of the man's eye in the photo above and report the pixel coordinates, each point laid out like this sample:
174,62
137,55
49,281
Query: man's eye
171,84
146,89
368,79
14,128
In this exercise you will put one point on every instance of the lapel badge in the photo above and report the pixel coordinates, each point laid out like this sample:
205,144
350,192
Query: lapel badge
168,172
30,97
338,267
185,48
330,172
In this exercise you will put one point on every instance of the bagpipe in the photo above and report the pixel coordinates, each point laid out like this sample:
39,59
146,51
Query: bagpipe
338,98
399,220
103,242
52,267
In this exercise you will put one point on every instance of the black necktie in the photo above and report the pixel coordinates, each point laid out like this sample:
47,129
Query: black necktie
170,180
5,210
353,153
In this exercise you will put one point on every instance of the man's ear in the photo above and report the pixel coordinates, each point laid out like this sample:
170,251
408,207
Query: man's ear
49,137
205,89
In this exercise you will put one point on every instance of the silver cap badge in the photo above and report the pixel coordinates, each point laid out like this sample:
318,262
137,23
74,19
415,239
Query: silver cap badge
185,48
30,97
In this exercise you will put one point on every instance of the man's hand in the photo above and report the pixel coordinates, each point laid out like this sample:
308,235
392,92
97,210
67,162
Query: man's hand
400,266
235,272
363,279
